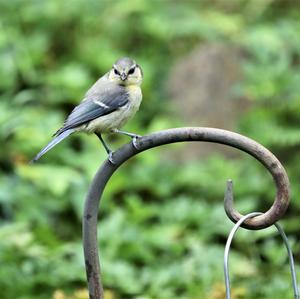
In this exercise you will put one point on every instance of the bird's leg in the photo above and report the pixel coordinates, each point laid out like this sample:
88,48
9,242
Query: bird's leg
132,135
108,150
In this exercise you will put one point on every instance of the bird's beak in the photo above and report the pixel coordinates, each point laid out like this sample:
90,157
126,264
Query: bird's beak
123,76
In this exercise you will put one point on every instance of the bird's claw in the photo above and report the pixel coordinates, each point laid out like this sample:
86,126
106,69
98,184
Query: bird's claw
111,158
134,141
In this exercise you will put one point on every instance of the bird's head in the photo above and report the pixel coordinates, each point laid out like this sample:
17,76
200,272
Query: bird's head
126,71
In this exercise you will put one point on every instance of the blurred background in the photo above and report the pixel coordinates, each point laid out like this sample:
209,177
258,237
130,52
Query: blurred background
227,64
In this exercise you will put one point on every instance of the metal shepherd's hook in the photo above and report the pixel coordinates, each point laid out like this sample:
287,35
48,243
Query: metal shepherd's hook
144,143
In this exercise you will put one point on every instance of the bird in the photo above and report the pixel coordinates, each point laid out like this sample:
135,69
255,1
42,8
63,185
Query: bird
106,106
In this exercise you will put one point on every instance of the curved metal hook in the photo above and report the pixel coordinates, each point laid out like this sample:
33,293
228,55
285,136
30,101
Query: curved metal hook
282,193
166,137
286,243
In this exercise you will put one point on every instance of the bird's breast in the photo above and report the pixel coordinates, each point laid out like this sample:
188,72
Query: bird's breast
135,96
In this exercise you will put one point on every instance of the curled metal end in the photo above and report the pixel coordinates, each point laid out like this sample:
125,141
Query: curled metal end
228,198
265,219
229,201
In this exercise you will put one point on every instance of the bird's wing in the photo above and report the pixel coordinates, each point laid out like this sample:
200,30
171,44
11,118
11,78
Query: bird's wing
96,104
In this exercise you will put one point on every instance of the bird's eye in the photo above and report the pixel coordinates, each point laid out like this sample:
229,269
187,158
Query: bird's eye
116,72
131,71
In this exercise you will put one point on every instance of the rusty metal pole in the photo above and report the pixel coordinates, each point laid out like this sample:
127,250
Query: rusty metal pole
90,218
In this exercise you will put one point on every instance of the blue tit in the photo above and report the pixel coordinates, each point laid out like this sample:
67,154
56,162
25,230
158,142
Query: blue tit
106,106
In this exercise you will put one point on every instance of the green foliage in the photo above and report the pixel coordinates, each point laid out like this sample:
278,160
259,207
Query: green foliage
162,225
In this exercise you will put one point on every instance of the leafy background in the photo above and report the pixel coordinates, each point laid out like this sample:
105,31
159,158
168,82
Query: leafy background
163,225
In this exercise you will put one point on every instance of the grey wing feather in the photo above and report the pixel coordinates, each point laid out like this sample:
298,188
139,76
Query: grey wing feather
107,99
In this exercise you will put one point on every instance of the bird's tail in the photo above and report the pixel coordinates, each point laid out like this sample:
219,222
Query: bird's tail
52,143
